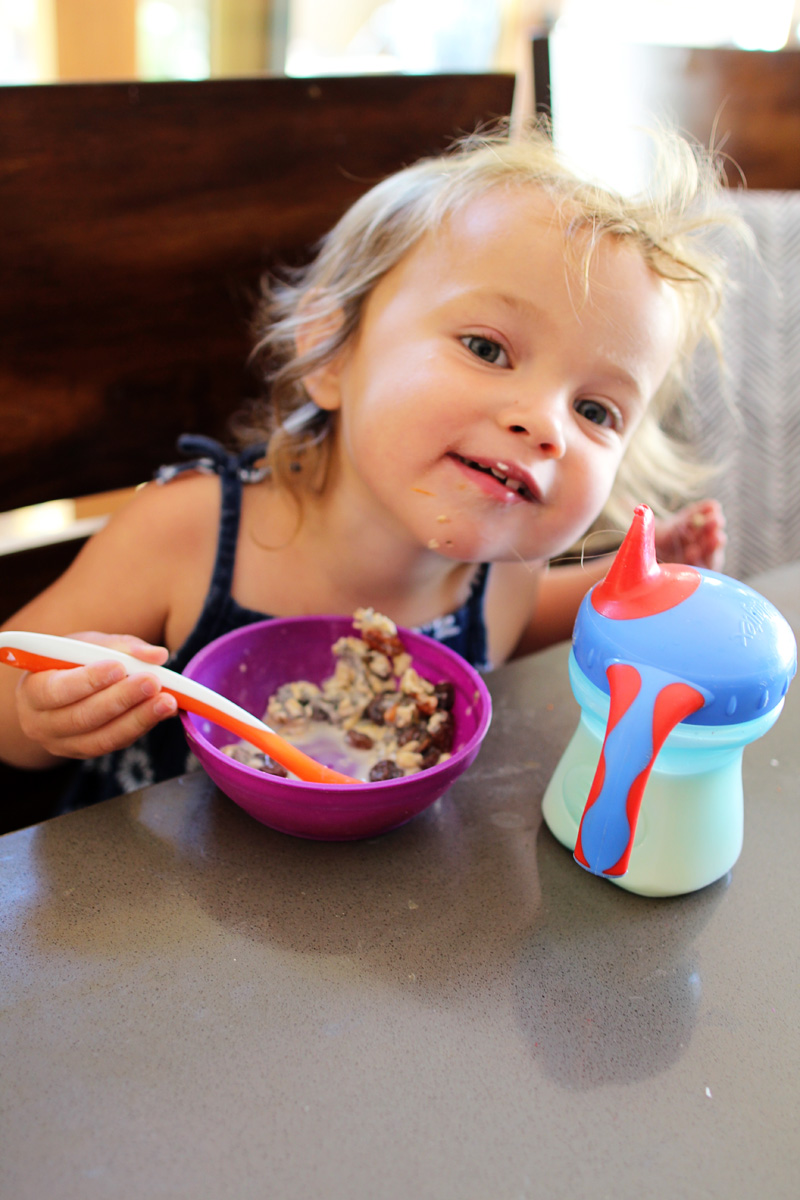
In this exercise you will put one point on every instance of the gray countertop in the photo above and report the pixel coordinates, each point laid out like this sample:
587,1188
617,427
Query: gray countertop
196,1006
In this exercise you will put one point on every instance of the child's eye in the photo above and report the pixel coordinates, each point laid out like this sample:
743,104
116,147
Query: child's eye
486,349
600,414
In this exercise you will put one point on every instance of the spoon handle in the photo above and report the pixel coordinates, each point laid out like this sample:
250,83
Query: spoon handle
46,652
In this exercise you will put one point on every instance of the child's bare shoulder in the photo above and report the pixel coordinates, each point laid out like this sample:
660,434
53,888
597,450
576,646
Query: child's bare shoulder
170,530
137,572
165,515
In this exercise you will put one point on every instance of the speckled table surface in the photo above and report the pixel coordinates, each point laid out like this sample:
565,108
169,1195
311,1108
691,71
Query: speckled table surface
195,1006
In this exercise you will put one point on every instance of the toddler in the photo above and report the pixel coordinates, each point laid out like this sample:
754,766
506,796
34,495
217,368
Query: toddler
480,361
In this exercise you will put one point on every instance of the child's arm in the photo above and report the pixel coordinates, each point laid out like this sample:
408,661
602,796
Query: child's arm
121,580
561,590
695,535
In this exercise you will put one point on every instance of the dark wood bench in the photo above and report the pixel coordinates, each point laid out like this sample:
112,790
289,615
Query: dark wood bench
136,222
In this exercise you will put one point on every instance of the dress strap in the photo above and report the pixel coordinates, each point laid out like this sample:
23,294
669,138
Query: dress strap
211,458
234,471
477,651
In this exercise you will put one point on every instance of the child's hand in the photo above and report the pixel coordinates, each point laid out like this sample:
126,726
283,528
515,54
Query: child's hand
695,535
87,711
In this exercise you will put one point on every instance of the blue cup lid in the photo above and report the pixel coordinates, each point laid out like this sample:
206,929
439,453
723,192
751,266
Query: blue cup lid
700,627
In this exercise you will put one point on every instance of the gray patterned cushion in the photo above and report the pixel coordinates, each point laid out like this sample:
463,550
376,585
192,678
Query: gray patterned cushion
758,449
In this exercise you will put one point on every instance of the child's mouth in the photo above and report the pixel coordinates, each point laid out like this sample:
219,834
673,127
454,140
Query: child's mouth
500,472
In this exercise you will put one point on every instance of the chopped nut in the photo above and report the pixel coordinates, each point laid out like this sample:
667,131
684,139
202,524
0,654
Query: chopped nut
404,714
413,684
379,665
408,759
401,663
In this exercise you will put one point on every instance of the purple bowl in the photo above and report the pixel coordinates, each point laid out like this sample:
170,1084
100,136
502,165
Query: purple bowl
249,664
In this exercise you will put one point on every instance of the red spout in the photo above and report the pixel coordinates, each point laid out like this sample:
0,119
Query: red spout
638,586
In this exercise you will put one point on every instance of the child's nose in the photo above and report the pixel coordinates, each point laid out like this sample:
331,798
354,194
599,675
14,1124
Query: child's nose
541,423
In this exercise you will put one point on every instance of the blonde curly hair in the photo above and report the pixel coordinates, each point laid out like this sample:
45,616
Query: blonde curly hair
665,225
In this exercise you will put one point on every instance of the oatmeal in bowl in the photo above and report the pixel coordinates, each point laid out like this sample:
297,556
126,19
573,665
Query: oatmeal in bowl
385,705
375,709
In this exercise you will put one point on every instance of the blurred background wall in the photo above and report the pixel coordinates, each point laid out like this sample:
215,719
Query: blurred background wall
46,40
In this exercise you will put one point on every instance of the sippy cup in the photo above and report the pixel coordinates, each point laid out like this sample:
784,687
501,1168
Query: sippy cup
676,670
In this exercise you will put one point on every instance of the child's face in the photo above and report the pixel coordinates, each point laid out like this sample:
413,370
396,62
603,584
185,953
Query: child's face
480,356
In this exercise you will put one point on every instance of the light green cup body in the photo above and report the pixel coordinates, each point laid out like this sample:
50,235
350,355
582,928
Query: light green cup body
690,826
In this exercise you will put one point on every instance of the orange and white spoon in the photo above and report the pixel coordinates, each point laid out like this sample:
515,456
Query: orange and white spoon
46,652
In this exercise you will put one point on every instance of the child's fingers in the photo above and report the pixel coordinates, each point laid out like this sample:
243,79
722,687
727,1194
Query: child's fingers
114,735
128,644
117,733
69,708
87,711
48,690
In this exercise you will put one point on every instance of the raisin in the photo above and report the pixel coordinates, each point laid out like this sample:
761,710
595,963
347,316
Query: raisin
412,733
377,708
361,741
430,758
445,693
387,768
442,738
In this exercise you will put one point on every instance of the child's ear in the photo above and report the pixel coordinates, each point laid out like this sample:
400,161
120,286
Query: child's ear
321,383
